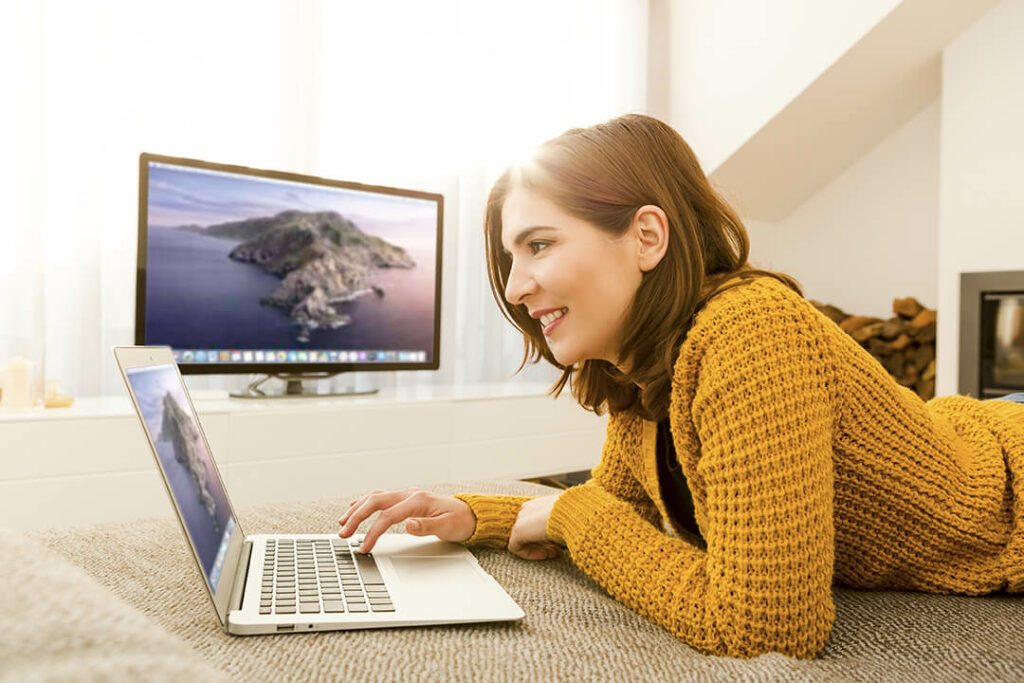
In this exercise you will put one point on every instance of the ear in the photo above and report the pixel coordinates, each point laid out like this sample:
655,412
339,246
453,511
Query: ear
650,228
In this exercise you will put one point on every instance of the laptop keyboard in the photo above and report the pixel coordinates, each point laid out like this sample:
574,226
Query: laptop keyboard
308,576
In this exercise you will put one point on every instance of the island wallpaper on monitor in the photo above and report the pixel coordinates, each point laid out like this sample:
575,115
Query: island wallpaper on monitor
238,262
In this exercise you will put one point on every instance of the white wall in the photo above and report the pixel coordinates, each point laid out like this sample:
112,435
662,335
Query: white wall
871,234
734,64
982,149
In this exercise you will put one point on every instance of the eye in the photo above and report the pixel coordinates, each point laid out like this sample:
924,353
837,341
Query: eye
537,246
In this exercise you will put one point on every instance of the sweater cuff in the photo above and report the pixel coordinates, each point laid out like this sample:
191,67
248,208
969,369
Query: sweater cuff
495,516
574,511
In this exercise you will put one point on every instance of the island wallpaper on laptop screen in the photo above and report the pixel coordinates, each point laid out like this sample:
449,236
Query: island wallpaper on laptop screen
174,431
244,262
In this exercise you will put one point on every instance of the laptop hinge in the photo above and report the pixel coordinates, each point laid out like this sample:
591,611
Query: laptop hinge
241,575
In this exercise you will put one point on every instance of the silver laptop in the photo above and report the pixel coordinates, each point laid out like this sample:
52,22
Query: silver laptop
273,583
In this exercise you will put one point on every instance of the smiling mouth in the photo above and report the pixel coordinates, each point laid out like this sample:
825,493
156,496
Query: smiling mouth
550,321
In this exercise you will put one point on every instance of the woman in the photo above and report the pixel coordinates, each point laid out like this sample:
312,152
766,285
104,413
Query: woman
755,454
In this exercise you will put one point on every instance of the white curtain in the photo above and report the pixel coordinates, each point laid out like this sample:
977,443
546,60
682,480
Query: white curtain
436,95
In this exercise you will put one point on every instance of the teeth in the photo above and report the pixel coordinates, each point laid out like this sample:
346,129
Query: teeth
549,318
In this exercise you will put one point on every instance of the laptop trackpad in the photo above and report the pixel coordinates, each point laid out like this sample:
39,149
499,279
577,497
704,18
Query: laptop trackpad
443,585
449,588
434,570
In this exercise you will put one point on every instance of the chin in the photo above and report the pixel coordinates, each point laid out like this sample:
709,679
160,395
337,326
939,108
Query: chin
567,357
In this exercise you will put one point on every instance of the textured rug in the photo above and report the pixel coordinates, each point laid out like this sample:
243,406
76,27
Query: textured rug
572,629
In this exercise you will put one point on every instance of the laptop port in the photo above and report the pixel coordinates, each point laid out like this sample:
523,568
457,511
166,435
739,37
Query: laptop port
286,627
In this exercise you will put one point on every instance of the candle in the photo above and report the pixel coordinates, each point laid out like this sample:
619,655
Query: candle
17,384
53,398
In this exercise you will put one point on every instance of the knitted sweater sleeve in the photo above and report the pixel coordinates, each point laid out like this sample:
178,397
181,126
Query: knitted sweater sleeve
496,515
762,413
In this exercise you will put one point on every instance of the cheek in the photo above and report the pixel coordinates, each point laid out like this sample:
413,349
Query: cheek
598,286
602,294
613,289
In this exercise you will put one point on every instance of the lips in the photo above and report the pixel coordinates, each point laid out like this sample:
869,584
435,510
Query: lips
549,321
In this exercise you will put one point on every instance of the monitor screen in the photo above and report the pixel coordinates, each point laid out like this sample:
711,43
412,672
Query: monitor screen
243,270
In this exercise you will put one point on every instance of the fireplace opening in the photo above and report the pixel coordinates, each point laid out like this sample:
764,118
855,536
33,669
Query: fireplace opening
1002,343
991,333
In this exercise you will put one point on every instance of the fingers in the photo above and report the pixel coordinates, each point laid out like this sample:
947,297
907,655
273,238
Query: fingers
412,504
532,550
419,527
536,551
358,502
363,507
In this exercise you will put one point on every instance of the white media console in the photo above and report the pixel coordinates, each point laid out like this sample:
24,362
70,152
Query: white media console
90,463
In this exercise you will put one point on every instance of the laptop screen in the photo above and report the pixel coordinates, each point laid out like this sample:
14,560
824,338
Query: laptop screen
173,429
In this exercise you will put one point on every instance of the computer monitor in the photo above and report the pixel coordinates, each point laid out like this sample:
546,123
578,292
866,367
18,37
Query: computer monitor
252,271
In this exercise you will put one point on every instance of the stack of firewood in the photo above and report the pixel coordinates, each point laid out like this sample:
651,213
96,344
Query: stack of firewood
904,344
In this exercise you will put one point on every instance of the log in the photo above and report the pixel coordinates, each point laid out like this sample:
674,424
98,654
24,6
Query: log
879,348
925,388
855,322
922,356
891,329
895,364
926,334
920,322
900,342
865,332
929,371
906,308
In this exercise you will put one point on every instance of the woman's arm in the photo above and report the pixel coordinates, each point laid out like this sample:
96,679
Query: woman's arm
495,515
762,412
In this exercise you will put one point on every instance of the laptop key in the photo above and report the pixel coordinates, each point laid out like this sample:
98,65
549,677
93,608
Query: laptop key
358,607
309,607
368,569
285,609
264,609
334,606
382,607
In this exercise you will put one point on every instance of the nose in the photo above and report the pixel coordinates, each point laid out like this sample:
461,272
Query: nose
520,284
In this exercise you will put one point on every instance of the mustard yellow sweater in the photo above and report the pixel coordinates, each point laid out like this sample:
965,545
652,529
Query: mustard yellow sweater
809,465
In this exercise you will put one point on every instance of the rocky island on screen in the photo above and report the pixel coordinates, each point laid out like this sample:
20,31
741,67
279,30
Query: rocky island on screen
241,262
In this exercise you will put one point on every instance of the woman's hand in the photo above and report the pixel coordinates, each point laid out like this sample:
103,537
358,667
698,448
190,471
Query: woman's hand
529,537
446,517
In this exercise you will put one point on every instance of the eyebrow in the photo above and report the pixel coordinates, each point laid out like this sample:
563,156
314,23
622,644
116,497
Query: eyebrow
525,235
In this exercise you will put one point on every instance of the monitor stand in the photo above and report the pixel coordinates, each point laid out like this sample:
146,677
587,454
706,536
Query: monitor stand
294,389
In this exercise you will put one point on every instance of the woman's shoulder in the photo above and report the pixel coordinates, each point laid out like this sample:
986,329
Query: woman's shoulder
749,301
747,314
753,327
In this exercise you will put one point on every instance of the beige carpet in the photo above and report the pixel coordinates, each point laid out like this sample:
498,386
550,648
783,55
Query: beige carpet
572,629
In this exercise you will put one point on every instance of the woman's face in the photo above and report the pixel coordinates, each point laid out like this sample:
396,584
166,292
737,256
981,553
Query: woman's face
564,266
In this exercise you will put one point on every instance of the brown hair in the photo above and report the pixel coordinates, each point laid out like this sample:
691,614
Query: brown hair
603,175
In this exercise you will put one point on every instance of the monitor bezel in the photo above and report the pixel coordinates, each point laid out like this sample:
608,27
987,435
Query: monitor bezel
288,367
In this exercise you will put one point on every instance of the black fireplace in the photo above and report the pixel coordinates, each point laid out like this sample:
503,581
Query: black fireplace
991,333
